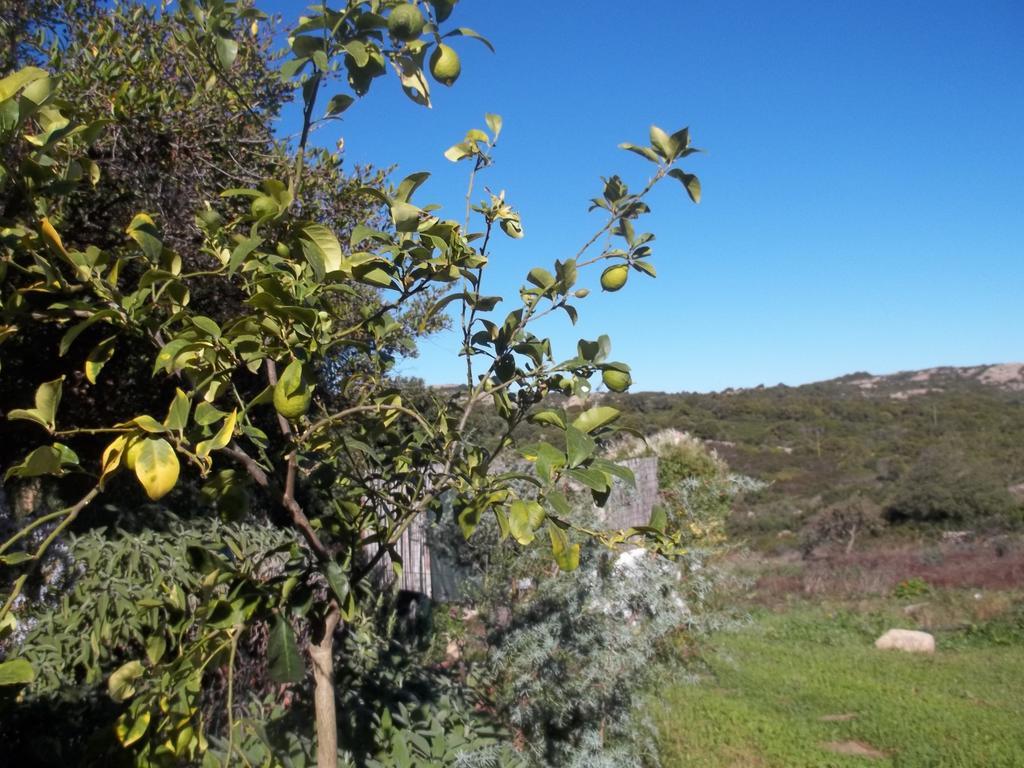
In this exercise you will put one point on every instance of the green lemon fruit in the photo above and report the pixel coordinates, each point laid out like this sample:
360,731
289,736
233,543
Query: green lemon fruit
406,22
283,251
506,368
614,277
292,395
264,206
445,65
132,454
616,381
443,8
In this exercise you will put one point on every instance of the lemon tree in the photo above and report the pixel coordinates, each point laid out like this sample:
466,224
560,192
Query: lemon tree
353,460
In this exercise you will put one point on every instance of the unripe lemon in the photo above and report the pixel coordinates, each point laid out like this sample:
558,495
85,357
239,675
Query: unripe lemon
264,206
292,395
616,381
614,277
283,251
132,455
506,368
445,65
443,8
406,22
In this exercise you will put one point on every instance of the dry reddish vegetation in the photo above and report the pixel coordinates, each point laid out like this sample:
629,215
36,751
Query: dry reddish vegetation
996,564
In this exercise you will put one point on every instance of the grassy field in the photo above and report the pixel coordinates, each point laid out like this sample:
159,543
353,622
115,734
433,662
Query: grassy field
802,685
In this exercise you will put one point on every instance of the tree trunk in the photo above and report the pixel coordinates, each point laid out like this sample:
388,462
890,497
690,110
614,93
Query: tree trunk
321,653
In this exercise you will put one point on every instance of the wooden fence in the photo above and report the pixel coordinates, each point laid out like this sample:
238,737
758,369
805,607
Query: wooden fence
435,578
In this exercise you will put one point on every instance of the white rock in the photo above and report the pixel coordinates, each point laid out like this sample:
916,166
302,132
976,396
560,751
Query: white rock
907,640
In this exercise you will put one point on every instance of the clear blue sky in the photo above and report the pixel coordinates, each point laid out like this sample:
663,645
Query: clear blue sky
863,192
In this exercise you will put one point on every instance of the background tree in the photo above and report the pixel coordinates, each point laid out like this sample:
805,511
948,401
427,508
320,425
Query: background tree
946,485
842,522
354,460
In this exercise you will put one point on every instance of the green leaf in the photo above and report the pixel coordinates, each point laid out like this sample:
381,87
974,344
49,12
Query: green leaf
291,67
242,251
663,143
643,266
227,51
68,339
338,581
47,399
15,558
143,231
16,671
338,104
156,645
53,459
406,217
207,414
206,325
219,440
326,243
156,467
524,518
659,518
689,181
283,657
645,152
149,424
359,53
592,478
541,278
467,32
121,684
549,416
168,354
595,418
177,414
616,470
578,446
409,185
681,139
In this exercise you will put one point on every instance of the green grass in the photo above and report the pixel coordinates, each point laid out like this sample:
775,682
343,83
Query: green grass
767,686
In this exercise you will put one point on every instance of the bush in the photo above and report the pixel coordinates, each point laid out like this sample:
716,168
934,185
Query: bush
946,486
842,522
570,658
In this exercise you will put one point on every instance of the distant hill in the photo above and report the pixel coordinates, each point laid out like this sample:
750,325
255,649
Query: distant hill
880,435
1005,376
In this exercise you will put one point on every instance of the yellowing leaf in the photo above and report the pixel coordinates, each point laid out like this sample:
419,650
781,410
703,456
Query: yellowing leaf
326,243
51,236
16,672
156,466
129,734
525,517
121,684
566,555
219,440
99,357
112,455
11,84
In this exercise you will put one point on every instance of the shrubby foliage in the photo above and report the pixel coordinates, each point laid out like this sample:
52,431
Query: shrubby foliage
823,443
842,522
570,659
